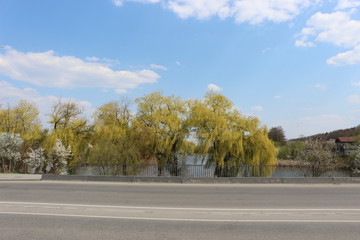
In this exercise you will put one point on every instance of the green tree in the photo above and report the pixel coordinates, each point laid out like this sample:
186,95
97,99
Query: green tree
292,150
277,135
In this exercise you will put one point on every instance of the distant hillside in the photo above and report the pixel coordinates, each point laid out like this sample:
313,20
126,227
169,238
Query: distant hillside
349,132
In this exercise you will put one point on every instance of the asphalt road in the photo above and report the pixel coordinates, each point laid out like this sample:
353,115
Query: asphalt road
67,210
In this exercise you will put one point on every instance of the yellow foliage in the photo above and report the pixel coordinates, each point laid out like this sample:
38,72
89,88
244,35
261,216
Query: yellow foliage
228,138
22,118
163,118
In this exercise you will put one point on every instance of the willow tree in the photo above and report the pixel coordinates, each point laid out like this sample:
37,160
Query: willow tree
259,150
163,119
226,138
22,118
69,126
114,145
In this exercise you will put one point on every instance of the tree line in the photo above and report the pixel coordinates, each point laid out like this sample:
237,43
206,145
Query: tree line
164,131
316,153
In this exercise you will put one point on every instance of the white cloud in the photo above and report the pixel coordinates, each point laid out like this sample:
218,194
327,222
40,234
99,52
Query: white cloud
337,28
178,63
258,108
342,4
346,58
321,86
214,87
47,69
356,84
252,11
8,92
277,97
257,11
354,99
155,66
120,91
200,9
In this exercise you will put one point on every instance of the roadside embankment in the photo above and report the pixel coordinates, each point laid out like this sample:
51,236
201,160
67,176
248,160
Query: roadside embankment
20,177
181,180
226,180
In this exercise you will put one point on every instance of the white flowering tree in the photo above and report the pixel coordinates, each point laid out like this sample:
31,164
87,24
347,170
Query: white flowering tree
58,159
319,156
36,161
355,163
10,155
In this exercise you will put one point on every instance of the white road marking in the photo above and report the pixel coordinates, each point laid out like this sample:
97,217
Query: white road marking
174,208
182,219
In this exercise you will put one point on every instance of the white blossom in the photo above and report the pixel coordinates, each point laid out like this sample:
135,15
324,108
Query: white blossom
10,146
58,159
356,162
36,160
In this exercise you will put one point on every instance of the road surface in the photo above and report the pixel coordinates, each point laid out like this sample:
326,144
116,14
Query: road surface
78,210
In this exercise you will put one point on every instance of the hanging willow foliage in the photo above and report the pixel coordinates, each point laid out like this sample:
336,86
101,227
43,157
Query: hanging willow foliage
225,137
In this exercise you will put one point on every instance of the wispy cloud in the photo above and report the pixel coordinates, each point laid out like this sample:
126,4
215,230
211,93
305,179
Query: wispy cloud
251,11
258,108
106,61
117,3
277,97
93,59
356,84
49,70
120,91
320,86
265,50
342,4
12,95
214,87
323,117
354,99
155,66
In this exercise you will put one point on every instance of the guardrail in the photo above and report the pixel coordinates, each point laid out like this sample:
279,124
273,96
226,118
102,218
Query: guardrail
202,171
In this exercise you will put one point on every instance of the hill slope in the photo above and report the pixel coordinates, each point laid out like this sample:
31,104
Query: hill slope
349,132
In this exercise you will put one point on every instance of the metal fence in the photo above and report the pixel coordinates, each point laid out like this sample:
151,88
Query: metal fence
202,171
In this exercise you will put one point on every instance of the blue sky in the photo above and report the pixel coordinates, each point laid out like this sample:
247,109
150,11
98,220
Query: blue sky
292,63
